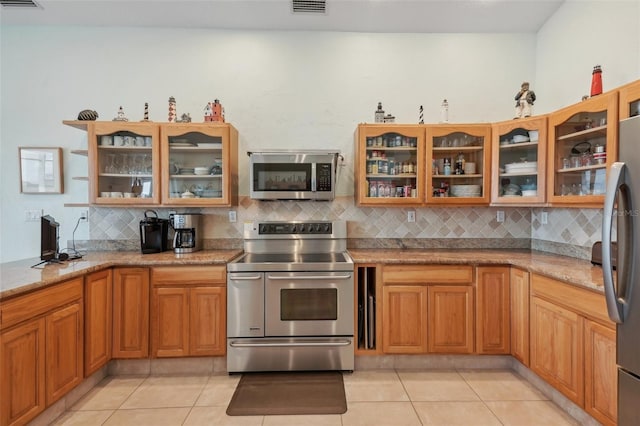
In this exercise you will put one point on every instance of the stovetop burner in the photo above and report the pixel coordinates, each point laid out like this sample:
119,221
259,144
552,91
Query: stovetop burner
294,246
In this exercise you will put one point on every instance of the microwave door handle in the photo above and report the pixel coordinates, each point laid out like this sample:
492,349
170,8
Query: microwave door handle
614,308
313,177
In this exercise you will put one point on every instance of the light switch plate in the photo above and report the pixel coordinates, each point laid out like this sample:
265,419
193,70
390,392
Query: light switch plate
232,216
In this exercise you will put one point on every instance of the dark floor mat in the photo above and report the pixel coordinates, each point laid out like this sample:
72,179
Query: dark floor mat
263,394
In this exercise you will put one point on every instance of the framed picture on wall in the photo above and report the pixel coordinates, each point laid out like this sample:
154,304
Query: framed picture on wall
41,170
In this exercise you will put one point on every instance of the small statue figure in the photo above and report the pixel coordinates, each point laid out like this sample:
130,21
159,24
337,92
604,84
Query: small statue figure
146,112
379,114
524,101
596,81
421,115
121,116
186,118
444,111
172,109
208,113
87,114
217,112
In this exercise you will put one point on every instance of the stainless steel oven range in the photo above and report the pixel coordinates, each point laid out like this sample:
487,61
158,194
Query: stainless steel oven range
290,299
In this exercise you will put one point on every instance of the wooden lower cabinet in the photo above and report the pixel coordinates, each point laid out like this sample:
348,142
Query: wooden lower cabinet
188,311
450,319
130,313
64,345
404,319
519,294
22,355
41,350
557,348
601,373
98,320
493,330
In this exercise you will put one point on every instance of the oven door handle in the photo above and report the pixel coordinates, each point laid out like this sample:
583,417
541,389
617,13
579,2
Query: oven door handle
245,277
239,344
309,277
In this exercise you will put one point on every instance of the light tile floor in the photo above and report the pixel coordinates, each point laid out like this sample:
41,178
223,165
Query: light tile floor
374,397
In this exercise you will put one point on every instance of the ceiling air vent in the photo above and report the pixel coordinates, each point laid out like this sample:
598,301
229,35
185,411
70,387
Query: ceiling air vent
309,6
19,3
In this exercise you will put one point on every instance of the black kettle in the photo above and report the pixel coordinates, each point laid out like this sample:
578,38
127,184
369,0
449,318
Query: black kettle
153,233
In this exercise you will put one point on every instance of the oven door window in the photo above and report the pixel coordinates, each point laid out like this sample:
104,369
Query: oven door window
314,304
282,177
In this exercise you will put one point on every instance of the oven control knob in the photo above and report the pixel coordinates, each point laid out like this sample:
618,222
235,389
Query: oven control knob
317,228
301,227
293,229
263,229
326,228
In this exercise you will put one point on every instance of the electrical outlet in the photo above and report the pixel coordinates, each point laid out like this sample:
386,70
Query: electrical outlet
411,216
232,216
32,215
544,218
84,216
500,216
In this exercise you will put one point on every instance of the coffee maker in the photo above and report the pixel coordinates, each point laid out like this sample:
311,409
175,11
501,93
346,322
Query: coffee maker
153,233
187,236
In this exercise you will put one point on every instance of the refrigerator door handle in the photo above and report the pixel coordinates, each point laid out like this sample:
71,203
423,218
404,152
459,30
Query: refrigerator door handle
614,305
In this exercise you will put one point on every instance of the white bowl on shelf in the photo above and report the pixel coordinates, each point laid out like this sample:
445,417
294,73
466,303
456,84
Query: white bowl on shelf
533,135
201,170
529,192
520,138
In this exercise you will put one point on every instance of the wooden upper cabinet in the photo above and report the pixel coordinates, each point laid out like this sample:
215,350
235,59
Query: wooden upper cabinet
493,320
519,294
576,172
458,165
518,158
630,100
124,159
389,165
130,313
199,164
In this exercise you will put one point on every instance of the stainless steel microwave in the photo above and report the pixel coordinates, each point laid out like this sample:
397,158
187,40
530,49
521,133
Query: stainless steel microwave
293,175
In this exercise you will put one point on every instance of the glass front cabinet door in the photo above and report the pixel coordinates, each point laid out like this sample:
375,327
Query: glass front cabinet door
458,164
630,100
124,160
582,145
199,164
389,164
518,161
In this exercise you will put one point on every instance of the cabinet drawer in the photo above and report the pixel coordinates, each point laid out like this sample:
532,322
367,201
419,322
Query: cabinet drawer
582,301
184,275
42,301
423,274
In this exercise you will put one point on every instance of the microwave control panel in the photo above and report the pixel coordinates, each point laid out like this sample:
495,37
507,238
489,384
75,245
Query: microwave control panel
323,177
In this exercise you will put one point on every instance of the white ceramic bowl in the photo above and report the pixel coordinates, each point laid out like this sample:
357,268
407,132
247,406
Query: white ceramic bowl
529,192
201,170
533,135
520,138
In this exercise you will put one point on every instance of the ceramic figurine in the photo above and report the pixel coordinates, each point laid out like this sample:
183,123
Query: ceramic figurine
121,116
208,112
444,111
596,80
217,112
421,115
146,112
87,114
524,101
379,114
186,118
172,109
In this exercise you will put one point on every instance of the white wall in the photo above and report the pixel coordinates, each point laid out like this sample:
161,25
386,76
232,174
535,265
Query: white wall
281,89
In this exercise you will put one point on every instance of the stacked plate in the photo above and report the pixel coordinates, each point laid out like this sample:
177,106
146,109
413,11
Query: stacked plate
524,167
465,190
186,171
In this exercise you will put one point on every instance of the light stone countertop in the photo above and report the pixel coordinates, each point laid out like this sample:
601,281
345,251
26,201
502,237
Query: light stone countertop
18,277
571,270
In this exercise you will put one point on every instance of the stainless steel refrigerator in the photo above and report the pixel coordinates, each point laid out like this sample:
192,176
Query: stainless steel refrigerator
622,213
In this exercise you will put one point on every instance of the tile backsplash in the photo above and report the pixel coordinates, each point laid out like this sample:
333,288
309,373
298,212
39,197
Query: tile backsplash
569,231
